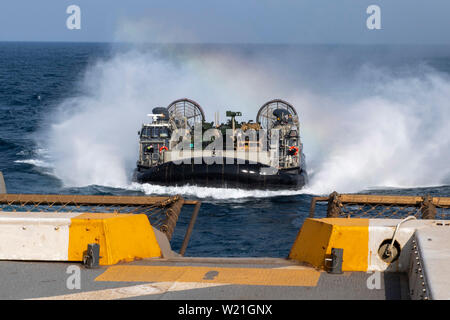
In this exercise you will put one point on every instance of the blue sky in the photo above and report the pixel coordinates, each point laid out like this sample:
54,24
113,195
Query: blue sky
232,21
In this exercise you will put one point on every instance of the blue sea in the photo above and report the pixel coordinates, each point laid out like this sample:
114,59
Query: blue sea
374,119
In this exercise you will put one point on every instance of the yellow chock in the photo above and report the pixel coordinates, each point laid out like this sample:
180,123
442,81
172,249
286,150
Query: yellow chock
122,237
317,237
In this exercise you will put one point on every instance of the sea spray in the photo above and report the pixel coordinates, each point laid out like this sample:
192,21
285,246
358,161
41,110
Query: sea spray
370,123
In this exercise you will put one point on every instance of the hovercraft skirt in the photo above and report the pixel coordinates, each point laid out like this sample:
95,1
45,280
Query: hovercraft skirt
228,174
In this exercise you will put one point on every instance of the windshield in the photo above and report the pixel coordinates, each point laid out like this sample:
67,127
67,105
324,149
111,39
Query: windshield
155,132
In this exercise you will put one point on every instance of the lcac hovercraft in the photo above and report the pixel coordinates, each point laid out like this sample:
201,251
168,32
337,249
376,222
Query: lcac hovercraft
178,147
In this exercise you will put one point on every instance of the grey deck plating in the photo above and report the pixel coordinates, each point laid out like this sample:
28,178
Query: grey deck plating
31,280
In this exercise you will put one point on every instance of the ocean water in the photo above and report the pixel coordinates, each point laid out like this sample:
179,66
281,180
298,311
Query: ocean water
375,119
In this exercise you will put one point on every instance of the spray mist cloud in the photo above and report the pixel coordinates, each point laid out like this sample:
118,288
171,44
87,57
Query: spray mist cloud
362,127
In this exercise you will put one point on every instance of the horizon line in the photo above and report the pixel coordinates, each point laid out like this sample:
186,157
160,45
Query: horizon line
231,43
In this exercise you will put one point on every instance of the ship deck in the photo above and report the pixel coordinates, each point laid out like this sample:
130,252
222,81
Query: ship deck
46,254
186,278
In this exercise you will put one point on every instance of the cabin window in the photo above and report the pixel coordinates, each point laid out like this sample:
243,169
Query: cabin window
146,132
155,132
163,132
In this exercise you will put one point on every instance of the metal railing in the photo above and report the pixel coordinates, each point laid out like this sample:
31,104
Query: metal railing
382,206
